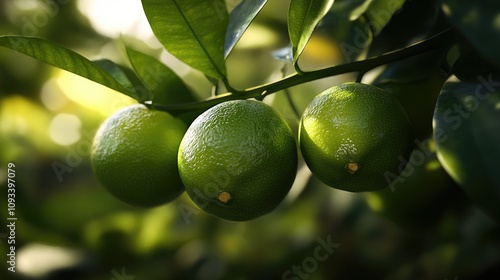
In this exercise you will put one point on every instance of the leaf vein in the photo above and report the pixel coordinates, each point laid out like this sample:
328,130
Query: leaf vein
186,20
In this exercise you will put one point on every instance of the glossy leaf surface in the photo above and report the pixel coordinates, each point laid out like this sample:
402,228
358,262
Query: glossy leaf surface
192,31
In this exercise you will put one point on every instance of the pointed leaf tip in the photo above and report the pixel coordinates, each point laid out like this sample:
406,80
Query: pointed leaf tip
303,16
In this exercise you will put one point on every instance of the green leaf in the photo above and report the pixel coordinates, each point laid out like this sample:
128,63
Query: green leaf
412,69
239,20
348,10
126,77
303,16
380,12
422,16
467,133
165,85
61,57
352,38
479,22
415,82
192,31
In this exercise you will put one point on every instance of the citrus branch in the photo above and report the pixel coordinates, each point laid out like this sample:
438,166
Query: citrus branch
361,66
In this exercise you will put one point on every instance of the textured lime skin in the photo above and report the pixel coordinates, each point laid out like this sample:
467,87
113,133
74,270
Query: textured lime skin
242,148
355,123
134,155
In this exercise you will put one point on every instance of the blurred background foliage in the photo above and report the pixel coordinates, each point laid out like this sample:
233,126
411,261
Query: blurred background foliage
68,227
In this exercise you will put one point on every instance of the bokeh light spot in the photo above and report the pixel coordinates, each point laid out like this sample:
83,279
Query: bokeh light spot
52,96
37,260
115,17
90,94
433,165
65,129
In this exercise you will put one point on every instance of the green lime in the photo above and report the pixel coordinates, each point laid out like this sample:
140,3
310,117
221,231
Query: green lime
421,195
238,160
354,137
134,155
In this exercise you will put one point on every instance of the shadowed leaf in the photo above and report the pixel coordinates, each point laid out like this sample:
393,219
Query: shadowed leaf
66,59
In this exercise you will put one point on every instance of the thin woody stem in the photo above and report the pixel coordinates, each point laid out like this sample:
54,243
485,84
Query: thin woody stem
361,66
